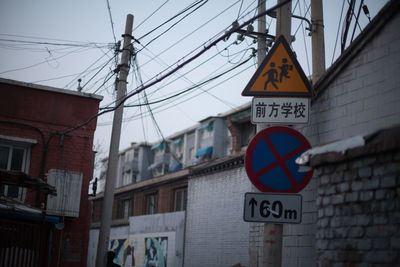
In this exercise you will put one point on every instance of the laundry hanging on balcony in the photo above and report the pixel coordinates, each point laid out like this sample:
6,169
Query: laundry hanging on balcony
204,152
175,167
155,165
159,146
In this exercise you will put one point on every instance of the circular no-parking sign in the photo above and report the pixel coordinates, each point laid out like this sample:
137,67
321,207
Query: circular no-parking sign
270,160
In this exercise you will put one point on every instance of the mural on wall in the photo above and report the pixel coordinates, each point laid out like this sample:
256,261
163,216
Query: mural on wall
155,254
125,251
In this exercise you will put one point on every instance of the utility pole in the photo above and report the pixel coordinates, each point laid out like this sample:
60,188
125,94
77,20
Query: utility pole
272,239
255,229
107,205
317,40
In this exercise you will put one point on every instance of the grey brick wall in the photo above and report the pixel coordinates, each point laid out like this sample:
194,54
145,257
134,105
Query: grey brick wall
358,219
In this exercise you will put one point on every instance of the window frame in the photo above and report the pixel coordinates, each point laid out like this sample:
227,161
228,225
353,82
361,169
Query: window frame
183,200
17,143
147,209
127,209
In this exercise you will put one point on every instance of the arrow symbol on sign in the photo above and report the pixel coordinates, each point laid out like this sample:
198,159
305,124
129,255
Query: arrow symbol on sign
252,203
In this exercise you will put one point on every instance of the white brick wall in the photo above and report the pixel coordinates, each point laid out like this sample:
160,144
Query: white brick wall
364,98
216,234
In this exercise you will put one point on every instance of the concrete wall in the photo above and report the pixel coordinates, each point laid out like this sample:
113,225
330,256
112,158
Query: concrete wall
216,234
162,234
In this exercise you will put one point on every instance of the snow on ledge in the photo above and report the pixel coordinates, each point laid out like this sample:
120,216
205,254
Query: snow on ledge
339,146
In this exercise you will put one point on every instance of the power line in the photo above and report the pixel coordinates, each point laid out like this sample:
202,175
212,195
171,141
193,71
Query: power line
44,38
39,63
304,39
192,87
337,34
183,76
197,29
105,81
111,21
179,66
240,9
195,3
355,24
148,17
80,74
90,45
182,101
165,31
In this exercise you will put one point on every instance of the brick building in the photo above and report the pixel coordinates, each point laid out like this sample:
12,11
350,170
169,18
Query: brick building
152,183
40,145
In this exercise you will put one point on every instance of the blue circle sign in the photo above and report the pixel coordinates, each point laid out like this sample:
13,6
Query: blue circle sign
270,160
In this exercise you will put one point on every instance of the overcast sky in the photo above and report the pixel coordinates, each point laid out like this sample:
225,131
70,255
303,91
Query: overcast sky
54,43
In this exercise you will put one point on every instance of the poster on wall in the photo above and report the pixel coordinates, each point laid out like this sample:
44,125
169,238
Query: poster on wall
125,251
155,254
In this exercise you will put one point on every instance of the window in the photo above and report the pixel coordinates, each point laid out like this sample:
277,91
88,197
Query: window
127,208
128,177
180,199
14,158
206,134
191,153
151,204
124,208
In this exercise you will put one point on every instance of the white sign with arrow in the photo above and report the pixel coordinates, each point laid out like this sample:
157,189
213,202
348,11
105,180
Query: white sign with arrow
274,208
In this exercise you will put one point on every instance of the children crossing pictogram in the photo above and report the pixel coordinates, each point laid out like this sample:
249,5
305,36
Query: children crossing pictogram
279,74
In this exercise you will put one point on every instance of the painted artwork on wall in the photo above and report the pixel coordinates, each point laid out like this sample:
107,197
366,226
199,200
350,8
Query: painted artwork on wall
125,251
155,254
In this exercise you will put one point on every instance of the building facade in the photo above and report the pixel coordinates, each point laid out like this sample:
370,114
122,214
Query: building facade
40,144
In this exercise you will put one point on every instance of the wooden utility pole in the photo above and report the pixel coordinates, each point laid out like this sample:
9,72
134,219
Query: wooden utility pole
108,200
317,40
272,239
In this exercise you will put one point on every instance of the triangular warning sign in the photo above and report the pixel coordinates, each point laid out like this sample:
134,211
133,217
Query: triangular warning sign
280,74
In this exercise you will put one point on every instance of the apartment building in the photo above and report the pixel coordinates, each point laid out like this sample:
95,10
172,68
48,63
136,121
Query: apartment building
152,179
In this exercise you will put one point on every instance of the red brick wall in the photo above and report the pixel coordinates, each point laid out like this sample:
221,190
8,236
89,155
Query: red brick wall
164,192
53,112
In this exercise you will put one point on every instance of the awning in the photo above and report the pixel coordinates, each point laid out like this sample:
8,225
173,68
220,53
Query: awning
159,146
10,208
153,166
204,152
208,126
29,216
175,167
177,141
